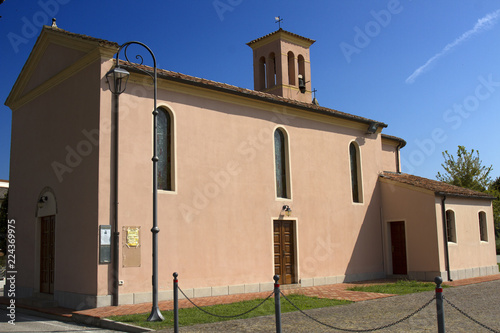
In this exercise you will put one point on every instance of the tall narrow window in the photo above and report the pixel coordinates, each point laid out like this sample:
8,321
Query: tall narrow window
164,150
302,65
291,68
280,158
450,226
355,173
483,231
262,74
271,69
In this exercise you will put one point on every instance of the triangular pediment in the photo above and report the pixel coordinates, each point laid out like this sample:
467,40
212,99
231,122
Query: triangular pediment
56,56
53,60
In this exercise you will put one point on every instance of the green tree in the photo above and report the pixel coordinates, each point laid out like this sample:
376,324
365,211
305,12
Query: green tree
3,221
494,190
466,170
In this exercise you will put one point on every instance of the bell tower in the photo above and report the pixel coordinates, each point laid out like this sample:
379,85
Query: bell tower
281,65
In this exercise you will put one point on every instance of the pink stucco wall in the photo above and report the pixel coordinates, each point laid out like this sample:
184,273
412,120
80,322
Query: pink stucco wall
49,149
469,252
216,226
416,208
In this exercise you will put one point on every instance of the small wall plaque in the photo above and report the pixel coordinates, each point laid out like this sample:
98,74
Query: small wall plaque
131,248
132,237
104,244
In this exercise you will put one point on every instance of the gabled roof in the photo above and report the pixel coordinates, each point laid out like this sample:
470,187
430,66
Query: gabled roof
56,37
439,188
308,41
102,42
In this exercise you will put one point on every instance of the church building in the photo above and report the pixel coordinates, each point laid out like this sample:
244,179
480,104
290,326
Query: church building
251,183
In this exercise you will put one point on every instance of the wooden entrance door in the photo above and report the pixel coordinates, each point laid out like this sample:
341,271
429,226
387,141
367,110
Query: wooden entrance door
398,248
47,254
284,251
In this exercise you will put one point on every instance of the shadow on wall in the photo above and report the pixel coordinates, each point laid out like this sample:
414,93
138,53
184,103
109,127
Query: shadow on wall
367,259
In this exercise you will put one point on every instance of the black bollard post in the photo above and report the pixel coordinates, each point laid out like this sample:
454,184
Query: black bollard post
439,304
277,304
176,303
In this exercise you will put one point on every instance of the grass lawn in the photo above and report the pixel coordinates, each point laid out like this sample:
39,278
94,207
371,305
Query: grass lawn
401,287
192,316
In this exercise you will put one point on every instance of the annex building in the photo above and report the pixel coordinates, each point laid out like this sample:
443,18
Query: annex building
251,183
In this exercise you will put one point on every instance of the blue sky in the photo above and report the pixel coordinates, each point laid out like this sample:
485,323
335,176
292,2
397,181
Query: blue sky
430,70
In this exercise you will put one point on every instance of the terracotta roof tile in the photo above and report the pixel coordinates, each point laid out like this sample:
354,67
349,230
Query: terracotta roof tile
287,32
209,84
434,185
80,36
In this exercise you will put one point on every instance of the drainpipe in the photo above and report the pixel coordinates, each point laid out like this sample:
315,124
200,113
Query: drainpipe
445,233
398,166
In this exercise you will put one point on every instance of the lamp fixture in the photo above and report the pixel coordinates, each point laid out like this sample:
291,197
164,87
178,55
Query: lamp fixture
372,128
287,210
117,79
43,199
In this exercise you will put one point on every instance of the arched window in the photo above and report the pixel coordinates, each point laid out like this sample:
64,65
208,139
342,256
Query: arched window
450,226
262,73
483,230
291,68
164,150
357,193
281,164
302,65
271,69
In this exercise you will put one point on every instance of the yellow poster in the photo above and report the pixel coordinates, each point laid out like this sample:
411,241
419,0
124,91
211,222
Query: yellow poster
132,237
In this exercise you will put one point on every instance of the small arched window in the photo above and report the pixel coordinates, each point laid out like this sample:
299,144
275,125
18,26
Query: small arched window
164,150
291,68
302,65
483,230
356,186
450,226
271,69
262,74
281,164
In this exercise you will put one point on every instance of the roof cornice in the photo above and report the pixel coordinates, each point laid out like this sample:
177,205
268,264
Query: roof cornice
271,98
281,34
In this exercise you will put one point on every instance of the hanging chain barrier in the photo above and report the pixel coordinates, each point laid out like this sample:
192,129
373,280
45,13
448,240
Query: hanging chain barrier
223,316
439,297
469,317
362,330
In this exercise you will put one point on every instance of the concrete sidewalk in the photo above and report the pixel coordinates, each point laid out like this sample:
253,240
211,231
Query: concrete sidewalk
336,291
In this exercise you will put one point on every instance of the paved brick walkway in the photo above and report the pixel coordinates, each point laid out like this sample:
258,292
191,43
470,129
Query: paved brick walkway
336,291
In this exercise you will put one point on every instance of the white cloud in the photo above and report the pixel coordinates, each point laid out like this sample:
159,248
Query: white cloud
484,23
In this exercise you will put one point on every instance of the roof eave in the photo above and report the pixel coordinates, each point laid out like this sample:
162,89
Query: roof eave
270,100
468,196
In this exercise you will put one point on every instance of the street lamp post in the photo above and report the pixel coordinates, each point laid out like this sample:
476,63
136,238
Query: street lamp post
117,86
